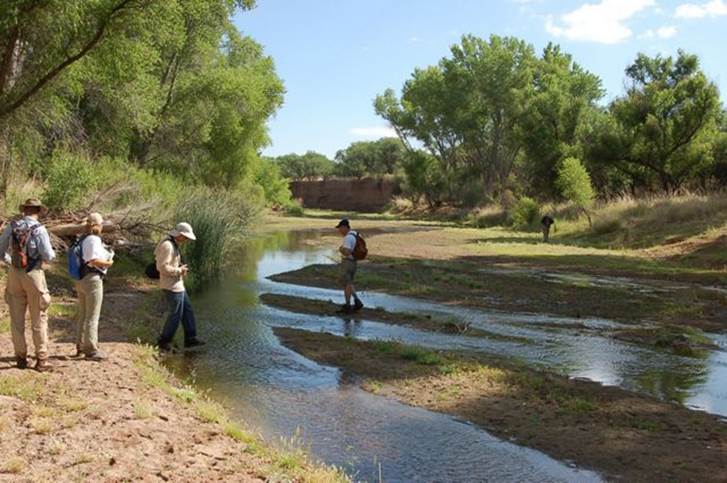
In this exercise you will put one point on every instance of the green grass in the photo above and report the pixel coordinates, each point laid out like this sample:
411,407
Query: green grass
293,464
143,410
26,387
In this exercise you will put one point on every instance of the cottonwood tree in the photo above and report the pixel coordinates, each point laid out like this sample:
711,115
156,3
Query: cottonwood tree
574,184
664,126
561,100
370,158
305,166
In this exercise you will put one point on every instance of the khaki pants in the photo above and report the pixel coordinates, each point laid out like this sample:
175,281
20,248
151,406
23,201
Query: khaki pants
28,292
90,299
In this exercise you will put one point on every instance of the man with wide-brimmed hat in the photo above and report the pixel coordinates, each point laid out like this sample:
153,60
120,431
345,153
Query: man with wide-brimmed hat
171,280
25,245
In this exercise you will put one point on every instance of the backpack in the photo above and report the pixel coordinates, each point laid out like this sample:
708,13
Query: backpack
151,270
75,259
360,251
25,245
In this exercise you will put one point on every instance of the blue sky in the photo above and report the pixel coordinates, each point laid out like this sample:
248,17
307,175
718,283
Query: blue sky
335,56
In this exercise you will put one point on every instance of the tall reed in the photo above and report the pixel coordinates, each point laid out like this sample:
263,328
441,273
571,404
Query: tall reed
219,219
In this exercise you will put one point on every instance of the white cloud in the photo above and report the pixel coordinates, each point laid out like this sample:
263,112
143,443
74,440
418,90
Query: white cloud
666,32
714,8
373,132
602,22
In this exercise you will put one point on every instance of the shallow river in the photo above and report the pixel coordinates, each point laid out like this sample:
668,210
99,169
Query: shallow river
292,400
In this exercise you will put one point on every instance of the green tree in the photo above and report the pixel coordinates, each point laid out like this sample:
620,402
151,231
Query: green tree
304,166
370,158
562,98
663,127
465,110
424,178
574,184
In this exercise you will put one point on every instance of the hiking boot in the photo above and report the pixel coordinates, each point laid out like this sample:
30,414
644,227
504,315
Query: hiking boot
96,356
43,365
22,362
165,347
194,343
345,309
357,305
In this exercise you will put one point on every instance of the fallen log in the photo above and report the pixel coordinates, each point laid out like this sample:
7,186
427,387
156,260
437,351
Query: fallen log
72,229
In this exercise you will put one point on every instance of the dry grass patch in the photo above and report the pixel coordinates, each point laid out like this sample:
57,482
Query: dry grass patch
143,410
40,425
14,465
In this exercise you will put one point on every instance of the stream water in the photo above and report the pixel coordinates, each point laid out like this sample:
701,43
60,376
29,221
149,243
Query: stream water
289,398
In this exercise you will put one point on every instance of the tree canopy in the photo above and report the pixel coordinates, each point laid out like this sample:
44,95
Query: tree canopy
167,85
496,117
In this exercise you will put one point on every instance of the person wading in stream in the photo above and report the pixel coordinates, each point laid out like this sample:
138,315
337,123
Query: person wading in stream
171,280
30,250
349,250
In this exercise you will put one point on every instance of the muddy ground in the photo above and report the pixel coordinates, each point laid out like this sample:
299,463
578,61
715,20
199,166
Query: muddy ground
620,434
476,285
417,321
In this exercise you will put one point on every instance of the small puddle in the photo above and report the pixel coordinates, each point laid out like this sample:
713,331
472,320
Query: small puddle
286,396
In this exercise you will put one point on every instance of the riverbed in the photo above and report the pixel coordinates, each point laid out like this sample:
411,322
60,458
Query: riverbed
292,400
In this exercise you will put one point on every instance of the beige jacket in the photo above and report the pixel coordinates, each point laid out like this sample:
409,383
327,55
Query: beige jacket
168,263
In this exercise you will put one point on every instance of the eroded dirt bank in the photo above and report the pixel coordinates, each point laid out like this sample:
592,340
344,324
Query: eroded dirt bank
621,434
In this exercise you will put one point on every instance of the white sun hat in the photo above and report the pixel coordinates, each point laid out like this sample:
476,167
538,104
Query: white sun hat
184,229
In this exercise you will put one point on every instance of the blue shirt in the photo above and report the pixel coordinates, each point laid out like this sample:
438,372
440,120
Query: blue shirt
45,249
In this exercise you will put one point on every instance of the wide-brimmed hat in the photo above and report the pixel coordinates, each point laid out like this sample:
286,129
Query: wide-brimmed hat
344,222
184,229
94,219
33,203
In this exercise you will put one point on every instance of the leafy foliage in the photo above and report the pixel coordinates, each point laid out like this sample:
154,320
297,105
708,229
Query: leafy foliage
574,183
526,213
306,166
496,117
70,181
660,134
370,158
169,87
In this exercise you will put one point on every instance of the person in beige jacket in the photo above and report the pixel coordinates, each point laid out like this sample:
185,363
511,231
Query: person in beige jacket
171,280
25,245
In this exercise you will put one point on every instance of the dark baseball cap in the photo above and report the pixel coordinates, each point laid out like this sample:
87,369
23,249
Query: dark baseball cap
343,222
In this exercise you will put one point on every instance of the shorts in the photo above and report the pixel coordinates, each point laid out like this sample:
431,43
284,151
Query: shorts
348,268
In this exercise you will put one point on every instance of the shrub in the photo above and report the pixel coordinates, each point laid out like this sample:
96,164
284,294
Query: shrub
275,186
219,219
574,183
526,213
424,177
69,181
294,209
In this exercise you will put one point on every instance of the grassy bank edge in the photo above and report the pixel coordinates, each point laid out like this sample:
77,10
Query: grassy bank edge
283,464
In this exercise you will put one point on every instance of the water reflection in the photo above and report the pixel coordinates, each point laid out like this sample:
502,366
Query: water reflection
281,392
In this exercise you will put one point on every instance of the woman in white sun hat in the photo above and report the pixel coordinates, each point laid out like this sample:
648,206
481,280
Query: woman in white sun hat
96,262
172,271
